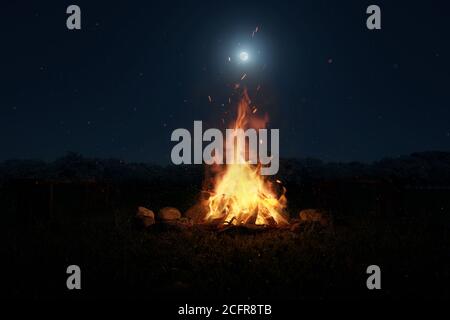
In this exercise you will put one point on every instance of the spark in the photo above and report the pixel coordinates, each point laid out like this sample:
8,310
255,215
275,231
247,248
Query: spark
255,31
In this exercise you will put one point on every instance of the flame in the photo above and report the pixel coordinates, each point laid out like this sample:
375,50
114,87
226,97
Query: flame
241,194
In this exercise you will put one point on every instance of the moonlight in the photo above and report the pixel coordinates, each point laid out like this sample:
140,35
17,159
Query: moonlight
243,56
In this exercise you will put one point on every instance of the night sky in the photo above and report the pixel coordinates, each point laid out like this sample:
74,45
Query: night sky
138,70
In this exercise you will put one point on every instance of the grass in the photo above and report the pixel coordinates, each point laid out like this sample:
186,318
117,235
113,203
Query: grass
119,260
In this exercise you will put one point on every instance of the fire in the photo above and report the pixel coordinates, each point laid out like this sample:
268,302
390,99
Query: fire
241,195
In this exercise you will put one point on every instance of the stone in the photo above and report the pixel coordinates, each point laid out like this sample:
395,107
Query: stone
197,213
169,214
296,227
145,216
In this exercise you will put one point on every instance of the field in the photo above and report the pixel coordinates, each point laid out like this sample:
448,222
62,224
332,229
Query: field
50,224
119,261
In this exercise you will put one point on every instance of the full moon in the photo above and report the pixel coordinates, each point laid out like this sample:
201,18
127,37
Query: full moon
243,56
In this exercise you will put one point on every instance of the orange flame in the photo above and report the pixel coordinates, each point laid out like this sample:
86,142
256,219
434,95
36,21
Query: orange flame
241,195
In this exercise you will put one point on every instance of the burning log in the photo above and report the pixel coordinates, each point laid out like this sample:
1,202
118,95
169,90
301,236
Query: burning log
245,228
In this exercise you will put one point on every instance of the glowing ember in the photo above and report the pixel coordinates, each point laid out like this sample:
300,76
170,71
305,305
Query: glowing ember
255,31
241,195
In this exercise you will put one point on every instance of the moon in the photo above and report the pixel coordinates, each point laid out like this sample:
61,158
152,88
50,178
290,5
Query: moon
243,56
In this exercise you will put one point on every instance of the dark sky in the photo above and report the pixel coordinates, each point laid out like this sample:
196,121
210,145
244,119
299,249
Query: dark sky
138,70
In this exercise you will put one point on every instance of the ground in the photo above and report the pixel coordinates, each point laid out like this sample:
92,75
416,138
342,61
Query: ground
77,211
118,259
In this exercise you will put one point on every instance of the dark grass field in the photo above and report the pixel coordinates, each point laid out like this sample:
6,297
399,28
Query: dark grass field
394,214
121,261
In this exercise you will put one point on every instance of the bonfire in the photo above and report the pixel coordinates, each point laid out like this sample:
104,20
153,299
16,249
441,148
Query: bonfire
240,194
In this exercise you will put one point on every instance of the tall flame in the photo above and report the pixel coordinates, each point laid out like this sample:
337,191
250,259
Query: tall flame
241,194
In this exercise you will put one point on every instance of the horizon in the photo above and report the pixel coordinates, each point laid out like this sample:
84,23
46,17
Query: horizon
167,164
